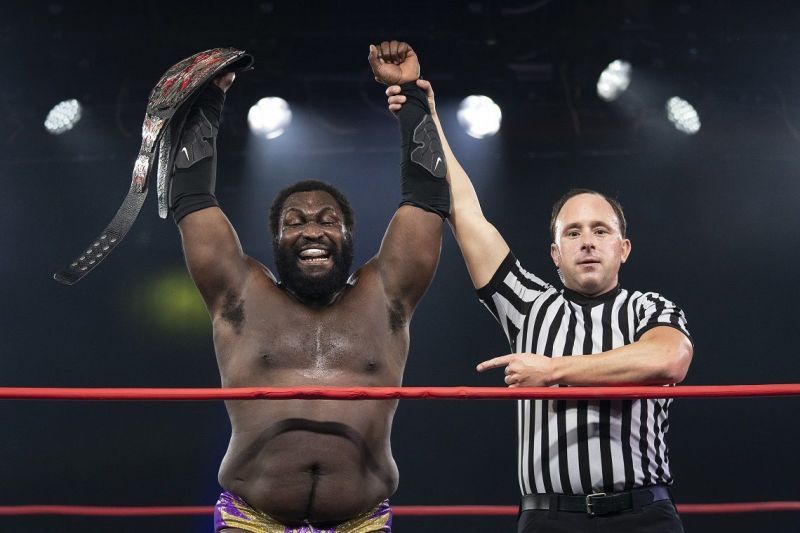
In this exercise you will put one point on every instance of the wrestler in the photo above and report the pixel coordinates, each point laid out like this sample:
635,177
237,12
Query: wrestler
311,465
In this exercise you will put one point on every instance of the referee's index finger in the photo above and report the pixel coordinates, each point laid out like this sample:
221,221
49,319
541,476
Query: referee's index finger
495,362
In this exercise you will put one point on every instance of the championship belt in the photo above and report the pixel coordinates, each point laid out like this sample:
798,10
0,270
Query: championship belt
167,107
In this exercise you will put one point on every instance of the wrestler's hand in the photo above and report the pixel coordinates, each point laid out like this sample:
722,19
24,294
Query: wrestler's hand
522,369
393,62
224,81
396,100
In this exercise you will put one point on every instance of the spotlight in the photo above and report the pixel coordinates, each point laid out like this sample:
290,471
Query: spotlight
614,80
682,115
63,117
479,116
269,117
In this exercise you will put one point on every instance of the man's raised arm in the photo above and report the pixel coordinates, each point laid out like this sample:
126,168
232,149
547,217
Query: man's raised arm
213,253
481,244
409,253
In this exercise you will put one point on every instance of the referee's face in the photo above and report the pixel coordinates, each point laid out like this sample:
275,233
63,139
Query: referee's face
589,248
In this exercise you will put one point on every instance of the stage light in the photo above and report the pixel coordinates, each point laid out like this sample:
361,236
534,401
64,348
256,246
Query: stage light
682,115
63,117
614,80
269,117
479,116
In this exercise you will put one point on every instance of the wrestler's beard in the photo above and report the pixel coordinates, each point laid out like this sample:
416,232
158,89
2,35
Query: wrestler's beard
317,289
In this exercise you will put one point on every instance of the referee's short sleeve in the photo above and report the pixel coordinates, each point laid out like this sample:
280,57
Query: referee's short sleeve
511,290
654,310
506,266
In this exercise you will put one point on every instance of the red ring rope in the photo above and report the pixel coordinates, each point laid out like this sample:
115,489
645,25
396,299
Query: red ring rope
360,393
398,510
357,393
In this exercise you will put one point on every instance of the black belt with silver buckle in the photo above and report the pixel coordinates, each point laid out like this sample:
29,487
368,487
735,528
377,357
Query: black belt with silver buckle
600,503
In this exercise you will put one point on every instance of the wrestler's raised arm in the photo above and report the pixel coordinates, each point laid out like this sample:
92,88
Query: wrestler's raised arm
481,244
210,244
409,253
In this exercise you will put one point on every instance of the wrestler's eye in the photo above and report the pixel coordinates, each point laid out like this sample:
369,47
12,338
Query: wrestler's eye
573,233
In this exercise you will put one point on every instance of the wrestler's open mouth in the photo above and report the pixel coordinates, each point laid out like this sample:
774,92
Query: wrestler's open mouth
314,255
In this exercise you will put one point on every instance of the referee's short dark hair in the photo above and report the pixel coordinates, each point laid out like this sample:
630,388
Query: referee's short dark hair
309,186
615,205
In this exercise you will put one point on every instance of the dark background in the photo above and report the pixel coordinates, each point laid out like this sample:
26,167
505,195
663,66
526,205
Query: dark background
713,219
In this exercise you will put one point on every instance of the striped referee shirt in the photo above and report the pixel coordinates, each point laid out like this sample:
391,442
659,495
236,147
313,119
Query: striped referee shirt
582,446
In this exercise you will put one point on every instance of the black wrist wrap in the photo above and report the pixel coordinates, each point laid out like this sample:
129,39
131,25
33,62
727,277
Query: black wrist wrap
195,172
423,167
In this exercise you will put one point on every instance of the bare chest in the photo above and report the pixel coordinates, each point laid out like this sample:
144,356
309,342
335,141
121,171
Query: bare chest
319,346
352,342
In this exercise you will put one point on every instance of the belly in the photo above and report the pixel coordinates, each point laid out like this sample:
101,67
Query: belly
310,460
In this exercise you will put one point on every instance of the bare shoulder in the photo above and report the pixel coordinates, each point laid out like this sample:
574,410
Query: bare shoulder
368,287
365,285
258,285
259,275
368,290
260,269
366,276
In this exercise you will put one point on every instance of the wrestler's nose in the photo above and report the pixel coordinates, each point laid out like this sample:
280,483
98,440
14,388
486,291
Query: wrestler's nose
312,231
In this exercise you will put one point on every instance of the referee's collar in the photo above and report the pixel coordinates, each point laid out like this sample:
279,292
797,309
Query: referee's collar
580,299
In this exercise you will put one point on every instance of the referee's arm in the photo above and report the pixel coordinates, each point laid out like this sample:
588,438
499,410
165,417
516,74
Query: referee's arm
660,357
481,244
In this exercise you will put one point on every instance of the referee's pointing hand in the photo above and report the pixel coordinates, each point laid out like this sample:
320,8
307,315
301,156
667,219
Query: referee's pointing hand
522,369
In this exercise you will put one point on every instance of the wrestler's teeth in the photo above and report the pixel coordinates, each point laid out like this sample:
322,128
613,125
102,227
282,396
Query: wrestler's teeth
313,253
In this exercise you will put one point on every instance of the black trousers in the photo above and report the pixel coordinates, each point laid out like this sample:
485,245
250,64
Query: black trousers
658,517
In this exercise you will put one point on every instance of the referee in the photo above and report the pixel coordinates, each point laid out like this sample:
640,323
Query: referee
599,466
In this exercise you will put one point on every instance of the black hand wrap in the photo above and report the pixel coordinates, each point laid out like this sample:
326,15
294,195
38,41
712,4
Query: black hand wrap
195,172
423,167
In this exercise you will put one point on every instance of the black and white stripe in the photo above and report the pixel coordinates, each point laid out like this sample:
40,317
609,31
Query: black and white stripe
581,447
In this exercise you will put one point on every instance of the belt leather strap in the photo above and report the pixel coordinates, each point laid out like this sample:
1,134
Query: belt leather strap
596,504
174,92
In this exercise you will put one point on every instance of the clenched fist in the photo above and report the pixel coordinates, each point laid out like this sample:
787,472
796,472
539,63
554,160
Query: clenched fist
393,62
